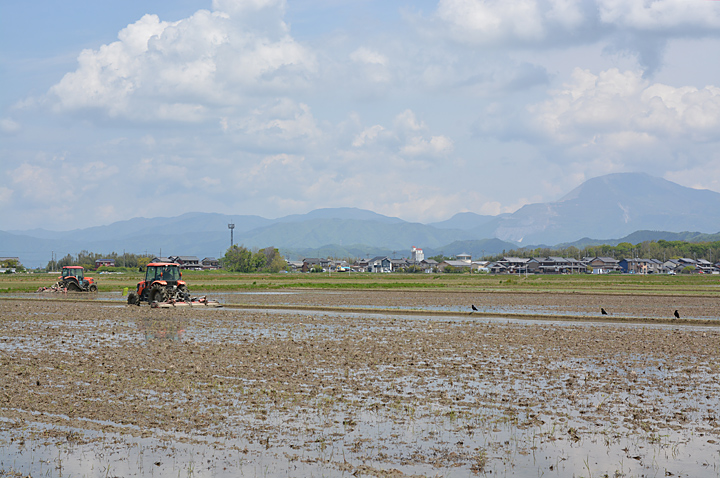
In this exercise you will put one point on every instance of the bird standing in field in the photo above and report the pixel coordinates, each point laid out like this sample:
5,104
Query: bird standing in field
603,311
676,314
474,308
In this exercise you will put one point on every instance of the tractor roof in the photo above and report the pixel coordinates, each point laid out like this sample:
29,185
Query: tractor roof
163,264
72,267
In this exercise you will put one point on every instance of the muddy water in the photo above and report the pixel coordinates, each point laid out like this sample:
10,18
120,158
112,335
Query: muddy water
545,303
92,390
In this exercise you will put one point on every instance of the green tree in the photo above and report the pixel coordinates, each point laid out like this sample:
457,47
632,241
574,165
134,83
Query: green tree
258,261
12,264
274,262
237,259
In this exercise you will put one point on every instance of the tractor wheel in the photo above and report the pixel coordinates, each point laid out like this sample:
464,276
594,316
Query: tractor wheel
92,288
133,298
157,294
73,287
183,293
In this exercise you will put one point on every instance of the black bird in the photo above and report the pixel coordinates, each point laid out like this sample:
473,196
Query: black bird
677,315
474,309
602,311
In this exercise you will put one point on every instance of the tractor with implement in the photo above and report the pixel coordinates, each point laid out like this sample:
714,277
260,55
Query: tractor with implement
163,283
73,280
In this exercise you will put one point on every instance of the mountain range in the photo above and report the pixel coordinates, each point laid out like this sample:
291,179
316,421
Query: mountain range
602,208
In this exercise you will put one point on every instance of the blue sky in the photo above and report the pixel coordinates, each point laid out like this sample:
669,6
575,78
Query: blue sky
412,109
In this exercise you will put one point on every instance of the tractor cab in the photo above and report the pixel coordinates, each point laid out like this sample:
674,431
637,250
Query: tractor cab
163,281
73,279
78,272
162,272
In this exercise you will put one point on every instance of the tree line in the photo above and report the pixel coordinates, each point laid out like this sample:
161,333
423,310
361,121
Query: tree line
87,260
236,259
240,259
661,250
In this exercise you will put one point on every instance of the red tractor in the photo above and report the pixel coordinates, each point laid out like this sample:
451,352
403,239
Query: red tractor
162,283
73,279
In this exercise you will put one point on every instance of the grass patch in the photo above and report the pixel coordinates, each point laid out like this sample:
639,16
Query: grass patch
690,285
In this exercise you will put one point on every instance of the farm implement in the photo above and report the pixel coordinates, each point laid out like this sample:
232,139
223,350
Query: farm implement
163,287
72,280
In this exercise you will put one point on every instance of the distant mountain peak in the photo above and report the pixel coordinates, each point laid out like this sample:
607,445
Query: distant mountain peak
614,205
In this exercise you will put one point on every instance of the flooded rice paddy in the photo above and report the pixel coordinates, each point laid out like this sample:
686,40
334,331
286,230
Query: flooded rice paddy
92,390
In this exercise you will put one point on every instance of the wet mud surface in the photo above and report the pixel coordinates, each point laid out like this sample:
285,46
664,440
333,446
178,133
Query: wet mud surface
544,303
89,389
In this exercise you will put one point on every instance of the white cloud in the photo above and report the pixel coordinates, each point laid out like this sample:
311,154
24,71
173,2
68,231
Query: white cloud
491,21
179,70
364,55
368,135
9,126
435,145
625,108
639,27
38,185
283,120
406,121
368,69
526,21
660,15
705,175
272,167
408,136
96,172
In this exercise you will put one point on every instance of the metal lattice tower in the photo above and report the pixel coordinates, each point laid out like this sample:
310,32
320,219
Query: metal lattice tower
231,227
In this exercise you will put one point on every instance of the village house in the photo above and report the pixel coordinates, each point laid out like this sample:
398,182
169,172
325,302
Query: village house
295,266
399,264
512,265
429,265
464,257
498,268
161,259
706,267
480,266
187,262
603,265
210,263
576,266
641,266
311,263
380,264
549,265
104,263
454,266
633,266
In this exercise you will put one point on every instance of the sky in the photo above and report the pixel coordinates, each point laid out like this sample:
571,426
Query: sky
418,110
